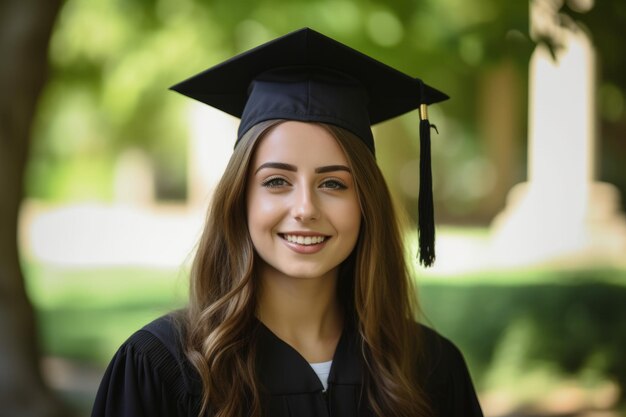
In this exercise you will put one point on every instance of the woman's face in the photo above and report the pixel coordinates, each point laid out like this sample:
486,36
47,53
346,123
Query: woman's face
302,207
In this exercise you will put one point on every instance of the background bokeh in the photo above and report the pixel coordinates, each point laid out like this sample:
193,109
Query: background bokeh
120,171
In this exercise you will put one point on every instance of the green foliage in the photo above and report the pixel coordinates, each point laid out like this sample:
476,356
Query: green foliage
509,326
605,23
112,61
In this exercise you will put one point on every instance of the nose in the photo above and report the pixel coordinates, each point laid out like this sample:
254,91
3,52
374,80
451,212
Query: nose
305,206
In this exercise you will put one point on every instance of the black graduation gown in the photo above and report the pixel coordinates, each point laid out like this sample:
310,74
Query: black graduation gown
149,376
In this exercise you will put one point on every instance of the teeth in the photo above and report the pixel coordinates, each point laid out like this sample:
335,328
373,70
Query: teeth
305,240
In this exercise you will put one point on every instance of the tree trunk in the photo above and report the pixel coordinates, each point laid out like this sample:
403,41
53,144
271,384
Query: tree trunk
25,28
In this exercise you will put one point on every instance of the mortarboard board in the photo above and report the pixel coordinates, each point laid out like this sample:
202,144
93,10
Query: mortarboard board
310,77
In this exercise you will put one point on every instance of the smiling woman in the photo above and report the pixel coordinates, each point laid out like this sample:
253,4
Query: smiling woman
301,303
300,189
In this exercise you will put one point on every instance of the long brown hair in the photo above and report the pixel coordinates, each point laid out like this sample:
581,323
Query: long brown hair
220,338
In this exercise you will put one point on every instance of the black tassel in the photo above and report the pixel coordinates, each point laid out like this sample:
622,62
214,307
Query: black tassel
426,215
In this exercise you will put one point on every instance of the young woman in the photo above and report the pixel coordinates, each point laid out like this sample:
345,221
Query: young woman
301,303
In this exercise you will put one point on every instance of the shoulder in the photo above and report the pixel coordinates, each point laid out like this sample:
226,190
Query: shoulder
161,342
164,333
445,376
149,374
439,354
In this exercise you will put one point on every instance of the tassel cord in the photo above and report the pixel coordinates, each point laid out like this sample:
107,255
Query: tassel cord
426,217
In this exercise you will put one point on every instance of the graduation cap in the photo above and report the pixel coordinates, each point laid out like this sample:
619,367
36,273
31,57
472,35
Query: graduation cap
309,77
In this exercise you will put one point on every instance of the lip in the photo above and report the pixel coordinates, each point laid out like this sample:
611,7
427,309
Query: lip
302,233
304,249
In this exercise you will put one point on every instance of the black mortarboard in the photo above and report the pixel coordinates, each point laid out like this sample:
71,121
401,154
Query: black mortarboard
307,76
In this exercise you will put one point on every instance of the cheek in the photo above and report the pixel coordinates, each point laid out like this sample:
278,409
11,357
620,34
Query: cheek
262,211
252,212
349,217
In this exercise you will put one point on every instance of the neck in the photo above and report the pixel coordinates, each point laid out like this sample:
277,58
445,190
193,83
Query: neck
304,312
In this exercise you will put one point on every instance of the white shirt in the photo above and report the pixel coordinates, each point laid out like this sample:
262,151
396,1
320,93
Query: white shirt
322,369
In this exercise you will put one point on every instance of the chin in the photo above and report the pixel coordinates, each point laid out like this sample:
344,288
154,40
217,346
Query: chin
307,275
301,271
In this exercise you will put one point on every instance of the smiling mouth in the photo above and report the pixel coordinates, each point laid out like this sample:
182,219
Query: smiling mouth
304,240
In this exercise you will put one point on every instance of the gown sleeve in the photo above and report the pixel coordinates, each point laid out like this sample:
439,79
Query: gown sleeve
142,380
449,384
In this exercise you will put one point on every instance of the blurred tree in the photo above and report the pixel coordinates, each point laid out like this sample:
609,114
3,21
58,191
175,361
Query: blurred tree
113,59
25,28
605,21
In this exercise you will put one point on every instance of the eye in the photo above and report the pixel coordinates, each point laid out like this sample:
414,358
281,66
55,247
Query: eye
334,184
274,182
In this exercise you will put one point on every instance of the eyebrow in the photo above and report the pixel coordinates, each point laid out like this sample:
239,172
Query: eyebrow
277,165
331,168
293,168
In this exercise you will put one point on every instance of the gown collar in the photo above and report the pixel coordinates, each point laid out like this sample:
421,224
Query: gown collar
282,370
